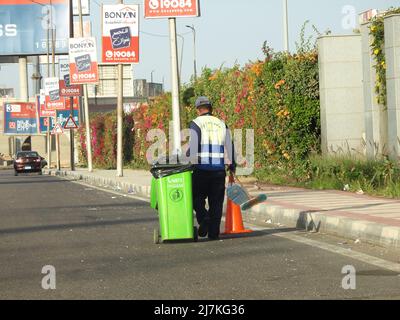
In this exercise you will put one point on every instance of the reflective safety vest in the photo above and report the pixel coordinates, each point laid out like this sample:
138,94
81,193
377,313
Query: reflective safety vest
211,151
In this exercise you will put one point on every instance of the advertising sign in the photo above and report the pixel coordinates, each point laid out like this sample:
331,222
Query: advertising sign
42,109
60,104
61,118
24,25
171,8
83,61
66,89
20,118
52,89
120,35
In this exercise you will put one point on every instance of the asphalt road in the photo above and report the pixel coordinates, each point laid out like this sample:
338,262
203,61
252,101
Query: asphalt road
101,246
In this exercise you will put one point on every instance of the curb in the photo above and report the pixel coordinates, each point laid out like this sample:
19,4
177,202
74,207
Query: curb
268,213
129,188
353,229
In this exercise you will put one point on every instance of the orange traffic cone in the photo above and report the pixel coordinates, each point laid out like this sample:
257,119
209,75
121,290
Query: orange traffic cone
233,218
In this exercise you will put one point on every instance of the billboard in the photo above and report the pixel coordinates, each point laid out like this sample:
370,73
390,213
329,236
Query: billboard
83,60
120,35
24,25
20,118
171,8
59,113
42,108
66,89
61,118
51,88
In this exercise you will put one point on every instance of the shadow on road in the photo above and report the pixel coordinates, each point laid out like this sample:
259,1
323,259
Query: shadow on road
75,225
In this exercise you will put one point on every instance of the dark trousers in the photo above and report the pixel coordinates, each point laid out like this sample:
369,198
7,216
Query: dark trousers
209,185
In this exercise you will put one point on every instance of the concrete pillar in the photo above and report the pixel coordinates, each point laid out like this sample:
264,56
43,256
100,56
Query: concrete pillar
341,91
23,78
376,119
392,52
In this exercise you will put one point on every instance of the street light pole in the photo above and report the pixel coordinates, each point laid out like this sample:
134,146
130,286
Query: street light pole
194,51
285,26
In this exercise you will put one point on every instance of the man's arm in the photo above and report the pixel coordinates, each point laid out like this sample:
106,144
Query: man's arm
194,142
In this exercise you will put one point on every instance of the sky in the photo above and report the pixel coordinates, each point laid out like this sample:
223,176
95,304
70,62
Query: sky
228,32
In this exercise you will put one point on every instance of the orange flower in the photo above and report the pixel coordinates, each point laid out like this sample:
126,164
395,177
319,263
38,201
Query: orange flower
279,84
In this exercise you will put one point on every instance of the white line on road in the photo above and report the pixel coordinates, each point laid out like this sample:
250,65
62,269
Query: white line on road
380,263
392,266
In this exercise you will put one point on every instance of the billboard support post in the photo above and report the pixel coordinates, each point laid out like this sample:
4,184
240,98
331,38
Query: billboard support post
71,99
86,102
53,58
120,93
175,88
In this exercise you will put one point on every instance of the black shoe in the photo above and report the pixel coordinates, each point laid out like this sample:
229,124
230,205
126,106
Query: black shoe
213,238
203,229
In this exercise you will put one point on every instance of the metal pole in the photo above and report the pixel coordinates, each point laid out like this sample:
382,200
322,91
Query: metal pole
120,112
194,51
71,99
48,75
176,149
53,56
285,26
86,102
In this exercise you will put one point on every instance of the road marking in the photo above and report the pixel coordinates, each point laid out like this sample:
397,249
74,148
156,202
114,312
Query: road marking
380,263
392,266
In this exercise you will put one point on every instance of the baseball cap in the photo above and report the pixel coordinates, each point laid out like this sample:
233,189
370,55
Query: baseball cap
202,101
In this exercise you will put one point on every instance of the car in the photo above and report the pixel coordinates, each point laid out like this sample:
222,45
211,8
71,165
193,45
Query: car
28,161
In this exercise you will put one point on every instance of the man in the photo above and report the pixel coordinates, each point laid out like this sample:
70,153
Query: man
210,142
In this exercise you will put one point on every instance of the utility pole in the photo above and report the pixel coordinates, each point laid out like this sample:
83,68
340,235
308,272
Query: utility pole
86,99
176,147
194,51
120,113
71,99
285,26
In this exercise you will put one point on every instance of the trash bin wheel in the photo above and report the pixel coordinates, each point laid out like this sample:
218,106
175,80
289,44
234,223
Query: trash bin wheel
156,236
195,234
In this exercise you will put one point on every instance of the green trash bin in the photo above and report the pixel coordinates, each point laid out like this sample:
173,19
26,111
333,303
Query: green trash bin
171,196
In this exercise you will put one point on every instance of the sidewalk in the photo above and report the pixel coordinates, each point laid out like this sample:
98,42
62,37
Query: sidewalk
356,217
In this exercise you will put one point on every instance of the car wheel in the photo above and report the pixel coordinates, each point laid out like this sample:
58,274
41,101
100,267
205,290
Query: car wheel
15,173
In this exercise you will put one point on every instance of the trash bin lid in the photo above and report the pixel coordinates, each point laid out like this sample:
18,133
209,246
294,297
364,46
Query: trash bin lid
164,170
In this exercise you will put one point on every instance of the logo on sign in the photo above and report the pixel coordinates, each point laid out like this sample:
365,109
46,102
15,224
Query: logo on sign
120,38
83,63
12,125
13,108
84,44
154,4
67,80
54,95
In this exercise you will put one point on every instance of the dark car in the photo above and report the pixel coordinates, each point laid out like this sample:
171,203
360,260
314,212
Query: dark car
28,161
